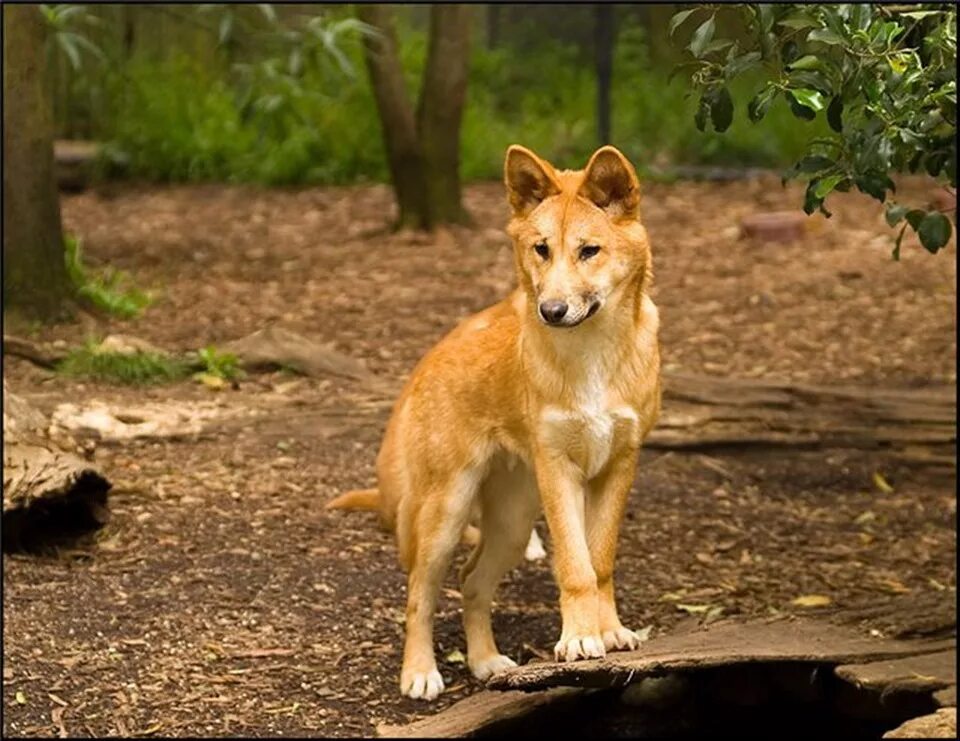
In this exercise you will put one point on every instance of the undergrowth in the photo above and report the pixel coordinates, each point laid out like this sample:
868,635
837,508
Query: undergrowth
110,290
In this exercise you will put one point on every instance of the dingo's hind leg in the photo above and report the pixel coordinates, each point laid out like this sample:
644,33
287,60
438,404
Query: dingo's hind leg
435,527
509,506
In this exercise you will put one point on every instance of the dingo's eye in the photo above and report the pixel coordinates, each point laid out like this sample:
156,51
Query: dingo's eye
542,249
588,251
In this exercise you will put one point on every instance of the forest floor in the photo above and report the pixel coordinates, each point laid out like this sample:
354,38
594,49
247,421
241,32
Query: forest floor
222,599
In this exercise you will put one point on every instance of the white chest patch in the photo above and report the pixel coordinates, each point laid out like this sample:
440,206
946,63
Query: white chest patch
588,432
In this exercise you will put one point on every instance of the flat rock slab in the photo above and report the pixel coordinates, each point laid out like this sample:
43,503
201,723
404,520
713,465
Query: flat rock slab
946,698
474,714
719,644
917,673
941,724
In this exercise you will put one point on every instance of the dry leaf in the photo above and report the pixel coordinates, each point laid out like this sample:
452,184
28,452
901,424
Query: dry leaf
210,380
895,586
21,698
812,600
693,609
456,657
865,517
881,483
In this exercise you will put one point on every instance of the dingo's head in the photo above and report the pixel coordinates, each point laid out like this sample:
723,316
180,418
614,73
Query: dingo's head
577,235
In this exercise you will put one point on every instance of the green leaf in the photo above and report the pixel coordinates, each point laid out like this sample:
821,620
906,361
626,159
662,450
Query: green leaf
679,18
895,213
808,62
920,14
799,22
826,185
915,216
760,103
875,184
809,98
741,64
268,12
801,111
934,231
67,44
825,36
717,45
703,110
701,37
721,109
226,26
835,113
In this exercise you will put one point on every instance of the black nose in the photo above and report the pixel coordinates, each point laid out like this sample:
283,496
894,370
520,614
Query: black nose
553,311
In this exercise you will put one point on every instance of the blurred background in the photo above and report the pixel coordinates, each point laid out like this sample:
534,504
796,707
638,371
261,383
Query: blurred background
279,94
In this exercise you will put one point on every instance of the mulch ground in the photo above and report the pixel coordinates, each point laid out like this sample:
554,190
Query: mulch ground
223,600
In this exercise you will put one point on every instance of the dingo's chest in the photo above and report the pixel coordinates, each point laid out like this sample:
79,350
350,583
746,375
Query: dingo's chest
589,434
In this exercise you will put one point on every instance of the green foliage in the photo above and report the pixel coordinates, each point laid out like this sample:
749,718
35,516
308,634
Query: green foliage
882,79
224,365
138,368
291,104
65,25
110,290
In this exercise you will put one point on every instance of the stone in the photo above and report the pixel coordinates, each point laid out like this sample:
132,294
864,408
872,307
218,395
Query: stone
941,724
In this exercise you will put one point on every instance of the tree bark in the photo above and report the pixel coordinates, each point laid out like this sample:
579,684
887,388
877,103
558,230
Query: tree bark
604,31
423,147
493,25
34,275
404,155
440,112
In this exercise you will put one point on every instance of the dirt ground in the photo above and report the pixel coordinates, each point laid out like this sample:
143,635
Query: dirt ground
223,600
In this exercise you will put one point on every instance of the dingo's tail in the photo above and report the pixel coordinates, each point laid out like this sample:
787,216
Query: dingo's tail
363,499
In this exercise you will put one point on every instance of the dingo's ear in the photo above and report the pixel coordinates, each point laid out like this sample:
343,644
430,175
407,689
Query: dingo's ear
611,183
528,178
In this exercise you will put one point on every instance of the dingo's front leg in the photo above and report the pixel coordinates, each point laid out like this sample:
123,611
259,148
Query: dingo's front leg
604,511
562,494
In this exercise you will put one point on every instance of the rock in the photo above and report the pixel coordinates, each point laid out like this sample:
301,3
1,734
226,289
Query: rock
774,226
914,673
941,724
946,698
475,714
125,344
720,644
107,422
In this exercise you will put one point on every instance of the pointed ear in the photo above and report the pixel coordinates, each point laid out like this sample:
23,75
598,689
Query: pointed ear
528,178
611,183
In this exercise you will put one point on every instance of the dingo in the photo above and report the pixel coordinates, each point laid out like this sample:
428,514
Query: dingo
549,392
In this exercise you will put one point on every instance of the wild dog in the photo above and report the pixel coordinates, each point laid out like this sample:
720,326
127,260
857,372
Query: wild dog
540,400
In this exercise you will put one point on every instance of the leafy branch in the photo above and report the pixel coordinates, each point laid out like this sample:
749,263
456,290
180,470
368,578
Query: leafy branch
883,76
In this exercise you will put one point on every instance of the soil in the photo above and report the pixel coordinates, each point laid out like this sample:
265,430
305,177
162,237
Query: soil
223,600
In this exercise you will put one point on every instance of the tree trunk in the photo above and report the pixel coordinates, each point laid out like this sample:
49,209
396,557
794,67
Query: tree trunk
493,26
423,148
404,156
441,110
603,51
34,276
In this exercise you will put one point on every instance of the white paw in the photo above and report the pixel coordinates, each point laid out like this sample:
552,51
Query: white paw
621,639
587,647
422,685
495,664
535,549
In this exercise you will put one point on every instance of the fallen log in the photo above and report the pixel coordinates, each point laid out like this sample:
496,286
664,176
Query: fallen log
49,492
703,412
